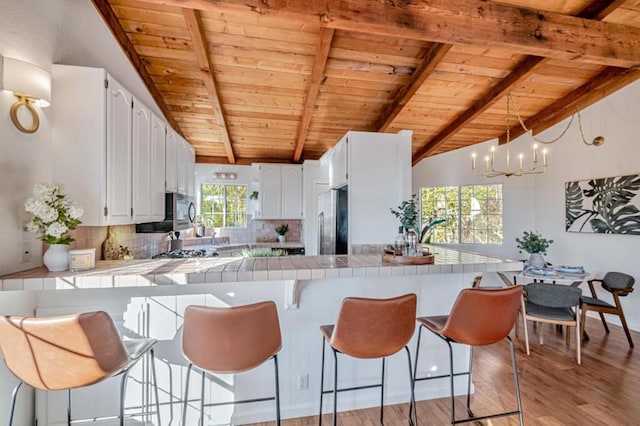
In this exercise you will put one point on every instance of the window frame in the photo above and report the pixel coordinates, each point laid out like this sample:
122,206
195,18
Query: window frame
461,207
241,200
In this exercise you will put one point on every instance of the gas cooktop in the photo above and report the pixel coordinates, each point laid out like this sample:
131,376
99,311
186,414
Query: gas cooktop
183,254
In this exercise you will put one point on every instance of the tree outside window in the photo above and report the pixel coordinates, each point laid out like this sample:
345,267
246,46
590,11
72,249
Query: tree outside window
473,213
224,206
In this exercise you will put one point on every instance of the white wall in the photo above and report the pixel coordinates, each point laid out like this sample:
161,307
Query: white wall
537,202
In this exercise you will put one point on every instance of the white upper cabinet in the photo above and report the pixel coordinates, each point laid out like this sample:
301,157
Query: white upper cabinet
338,170
186,167
280,191
142,161
92,152
108,149
171,161
158,135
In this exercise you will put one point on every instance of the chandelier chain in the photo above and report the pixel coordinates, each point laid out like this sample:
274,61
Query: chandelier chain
527,130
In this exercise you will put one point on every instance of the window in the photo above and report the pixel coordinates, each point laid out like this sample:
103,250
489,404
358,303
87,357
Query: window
224,206
473,213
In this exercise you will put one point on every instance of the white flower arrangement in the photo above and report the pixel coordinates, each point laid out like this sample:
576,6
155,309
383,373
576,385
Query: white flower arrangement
53,213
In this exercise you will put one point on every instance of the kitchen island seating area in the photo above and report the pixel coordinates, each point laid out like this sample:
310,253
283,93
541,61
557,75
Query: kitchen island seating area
70,352
479,317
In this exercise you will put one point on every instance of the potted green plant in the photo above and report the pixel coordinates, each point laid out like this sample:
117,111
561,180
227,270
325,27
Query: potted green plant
407,212
536,245
281,230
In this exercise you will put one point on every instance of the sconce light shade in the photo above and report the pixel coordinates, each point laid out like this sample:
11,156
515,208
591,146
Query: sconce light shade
30,84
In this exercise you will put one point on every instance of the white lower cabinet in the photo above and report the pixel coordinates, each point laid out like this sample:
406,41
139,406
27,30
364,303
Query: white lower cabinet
280,191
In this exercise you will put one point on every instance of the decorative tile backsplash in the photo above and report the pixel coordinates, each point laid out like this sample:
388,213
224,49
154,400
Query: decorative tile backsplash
143,246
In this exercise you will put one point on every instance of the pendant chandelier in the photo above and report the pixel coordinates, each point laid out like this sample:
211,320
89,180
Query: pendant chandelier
490,169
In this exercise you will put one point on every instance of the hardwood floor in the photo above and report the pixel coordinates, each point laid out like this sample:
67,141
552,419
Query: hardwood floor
555,390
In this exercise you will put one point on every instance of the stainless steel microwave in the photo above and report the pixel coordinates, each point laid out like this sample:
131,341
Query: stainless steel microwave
179,214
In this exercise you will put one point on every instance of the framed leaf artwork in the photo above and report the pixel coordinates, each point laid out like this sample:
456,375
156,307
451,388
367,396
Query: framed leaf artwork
606,206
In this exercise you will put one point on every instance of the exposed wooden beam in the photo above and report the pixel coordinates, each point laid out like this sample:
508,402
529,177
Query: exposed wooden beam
205,159
526,67
522,70
476,22
198,39
118,32
605,83
429,63
317,75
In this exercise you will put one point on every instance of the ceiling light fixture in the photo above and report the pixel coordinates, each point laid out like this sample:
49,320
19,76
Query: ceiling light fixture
490,169
30,84
225,175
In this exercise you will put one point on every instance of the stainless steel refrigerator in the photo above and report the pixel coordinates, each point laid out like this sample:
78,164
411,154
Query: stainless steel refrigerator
333,221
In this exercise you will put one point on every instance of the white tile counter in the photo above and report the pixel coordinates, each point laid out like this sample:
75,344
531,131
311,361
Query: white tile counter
139,273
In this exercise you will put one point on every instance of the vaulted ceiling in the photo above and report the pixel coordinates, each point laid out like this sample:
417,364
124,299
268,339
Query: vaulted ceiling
282,80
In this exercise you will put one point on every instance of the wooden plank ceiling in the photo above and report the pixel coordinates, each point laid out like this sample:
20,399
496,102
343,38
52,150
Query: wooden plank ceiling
282,80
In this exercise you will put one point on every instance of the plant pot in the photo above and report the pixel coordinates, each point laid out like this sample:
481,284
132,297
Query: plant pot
536,260
56,258
281,238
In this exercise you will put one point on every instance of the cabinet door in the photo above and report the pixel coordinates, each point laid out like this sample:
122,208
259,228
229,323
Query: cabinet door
191,176
119,102
141,162
171,161
270,191
291,191
338,164
158,133
183,165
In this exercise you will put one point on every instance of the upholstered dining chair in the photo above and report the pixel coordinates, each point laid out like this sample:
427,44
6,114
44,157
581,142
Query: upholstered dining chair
230,340
369,329
478,317
554,304
70,352
619,285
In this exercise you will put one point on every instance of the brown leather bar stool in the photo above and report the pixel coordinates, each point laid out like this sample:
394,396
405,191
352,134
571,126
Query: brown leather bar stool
69,352
369,328
231,340
479,317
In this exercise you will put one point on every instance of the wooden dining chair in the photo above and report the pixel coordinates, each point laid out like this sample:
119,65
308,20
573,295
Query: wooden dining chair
619,285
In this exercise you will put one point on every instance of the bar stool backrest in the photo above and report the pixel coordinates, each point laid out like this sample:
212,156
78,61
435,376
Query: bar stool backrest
63,352
483,316
374,328
231,340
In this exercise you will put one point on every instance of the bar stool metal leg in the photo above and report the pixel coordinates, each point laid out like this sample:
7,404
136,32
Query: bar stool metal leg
469,412
335,387
68,407
412,403
14,397
201,421
186,395
275,363
515,379
382,394
123,388
321,382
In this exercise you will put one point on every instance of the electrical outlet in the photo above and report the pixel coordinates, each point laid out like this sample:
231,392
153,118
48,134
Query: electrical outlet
25,252
303,381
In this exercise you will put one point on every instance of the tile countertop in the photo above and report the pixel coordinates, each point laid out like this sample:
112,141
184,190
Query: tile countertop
139,273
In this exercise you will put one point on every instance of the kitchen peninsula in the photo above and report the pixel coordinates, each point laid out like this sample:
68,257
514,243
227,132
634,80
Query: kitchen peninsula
148,297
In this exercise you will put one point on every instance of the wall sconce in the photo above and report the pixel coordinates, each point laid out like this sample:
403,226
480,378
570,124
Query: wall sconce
30,84
225,175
